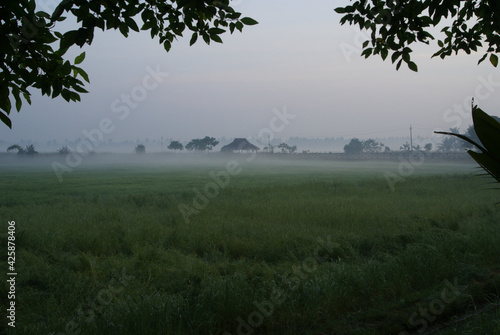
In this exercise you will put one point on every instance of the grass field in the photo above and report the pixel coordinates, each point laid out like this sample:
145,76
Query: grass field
228,246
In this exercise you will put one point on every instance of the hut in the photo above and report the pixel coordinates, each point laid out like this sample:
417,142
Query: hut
239,144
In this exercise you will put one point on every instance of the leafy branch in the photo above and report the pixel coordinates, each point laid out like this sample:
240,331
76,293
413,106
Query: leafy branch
488,132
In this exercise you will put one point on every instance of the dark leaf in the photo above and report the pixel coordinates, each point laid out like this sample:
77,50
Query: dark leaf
124,29
68,39
384,53
249,21
80,58
206,38
482,59
216,38
4,99
82,73
216,31
194,38
5,119
395,57
167,45
27,97
413,66
494,60
399,64
66,94
463,137
488,131
488,163
131,23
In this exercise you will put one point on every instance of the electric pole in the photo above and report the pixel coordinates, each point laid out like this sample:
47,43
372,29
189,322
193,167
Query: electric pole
411,139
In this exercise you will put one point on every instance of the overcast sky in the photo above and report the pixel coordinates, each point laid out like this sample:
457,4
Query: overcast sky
299,61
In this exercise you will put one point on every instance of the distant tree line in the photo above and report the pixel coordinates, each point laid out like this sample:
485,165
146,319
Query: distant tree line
357,146
455,144
202,144
28,150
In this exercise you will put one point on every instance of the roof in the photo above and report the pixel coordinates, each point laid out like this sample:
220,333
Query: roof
239,144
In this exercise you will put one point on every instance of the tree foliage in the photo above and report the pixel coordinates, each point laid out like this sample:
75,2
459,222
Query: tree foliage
64,150
395,25
28,150
175,145
140,149
450,143
370,145
356,146
287,149
202,144
487,129
32,50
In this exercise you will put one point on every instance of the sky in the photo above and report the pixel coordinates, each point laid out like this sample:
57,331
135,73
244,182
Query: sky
297,73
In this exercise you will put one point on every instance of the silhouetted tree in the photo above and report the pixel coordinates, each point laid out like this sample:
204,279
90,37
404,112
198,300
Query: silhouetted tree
140,149
64,150
355,146
370,145
30,150
175,145
451,143
202,144
405,147
34,45
285,148
16,148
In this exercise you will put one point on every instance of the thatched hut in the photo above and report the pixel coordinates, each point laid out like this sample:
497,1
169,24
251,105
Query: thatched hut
239,144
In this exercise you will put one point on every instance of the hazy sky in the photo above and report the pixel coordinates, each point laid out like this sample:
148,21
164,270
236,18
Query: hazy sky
299,60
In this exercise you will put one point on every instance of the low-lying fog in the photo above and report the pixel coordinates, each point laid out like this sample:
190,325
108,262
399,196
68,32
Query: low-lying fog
404,165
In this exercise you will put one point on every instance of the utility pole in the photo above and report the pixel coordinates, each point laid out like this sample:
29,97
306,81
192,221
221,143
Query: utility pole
271,148
162,144
411,139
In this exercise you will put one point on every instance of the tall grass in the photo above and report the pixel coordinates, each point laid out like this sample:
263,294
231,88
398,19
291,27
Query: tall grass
108,252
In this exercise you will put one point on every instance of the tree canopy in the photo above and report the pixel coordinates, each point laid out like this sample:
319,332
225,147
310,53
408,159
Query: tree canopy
357,146
202,144
175,145
32,50
396,24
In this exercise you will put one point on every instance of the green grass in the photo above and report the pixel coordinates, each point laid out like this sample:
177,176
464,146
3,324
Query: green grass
287,247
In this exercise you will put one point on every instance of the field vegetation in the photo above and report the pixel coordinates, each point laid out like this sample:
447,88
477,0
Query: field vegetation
295,247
